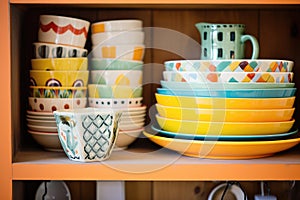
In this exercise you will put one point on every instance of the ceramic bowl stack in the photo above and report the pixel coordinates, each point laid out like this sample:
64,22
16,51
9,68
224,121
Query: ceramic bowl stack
58,75
116,66
226,109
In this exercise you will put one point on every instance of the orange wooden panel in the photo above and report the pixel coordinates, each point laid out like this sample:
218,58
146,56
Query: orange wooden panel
5,105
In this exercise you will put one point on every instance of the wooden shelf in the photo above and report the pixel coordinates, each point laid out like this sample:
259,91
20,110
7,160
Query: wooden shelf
271,2
149,164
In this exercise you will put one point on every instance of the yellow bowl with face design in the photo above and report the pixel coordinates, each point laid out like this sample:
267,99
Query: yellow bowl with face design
59,78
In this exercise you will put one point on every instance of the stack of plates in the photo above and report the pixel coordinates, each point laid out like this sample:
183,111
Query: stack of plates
42,127
223,114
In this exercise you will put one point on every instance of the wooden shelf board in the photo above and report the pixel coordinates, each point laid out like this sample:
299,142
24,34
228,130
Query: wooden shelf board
152,2
139,164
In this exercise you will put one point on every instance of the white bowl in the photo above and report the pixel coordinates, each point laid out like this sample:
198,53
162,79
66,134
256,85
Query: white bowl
116,25
52,104
125,52
63,30
125,138
47,50
118,37
49,141
130,127
115,102
133,78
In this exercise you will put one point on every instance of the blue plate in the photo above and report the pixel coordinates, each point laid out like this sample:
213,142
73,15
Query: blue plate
186,136
238,93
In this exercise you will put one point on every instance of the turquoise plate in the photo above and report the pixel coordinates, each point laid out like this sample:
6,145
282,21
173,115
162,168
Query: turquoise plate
238,93
163,133
193,85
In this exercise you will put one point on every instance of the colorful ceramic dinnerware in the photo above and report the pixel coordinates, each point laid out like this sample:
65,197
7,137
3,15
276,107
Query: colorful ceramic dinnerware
115,64
49,141
229,77
226,115
230,86
57,92
133,78
115,102
47,50
238,93
118,37
225,41
119,91
63,30
239,65
124,52
125,138
117,25
186,136
223,149
228,103
52,104
223,128
59,78
59,64
87,134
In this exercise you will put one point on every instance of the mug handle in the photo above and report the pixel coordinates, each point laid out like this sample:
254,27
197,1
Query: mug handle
255,46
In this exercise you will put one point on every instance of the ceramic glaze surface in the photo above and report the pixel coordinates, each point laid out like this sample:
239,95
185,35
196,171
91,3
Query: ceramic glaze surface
223,149
57,92
59,64
223,128
229,77
119,91
242,65
225,41
47,50
87,134
115,64
63,30
229,103
117,25
59,78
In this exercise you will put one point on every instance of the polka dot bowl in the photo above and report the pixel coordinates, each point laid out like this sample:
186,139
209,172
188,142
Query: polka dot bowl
52,104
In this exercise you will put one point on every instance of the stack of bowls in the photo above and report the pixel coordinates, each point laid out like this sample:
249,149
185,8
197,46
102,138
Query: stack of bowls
117,74
229,109
59,75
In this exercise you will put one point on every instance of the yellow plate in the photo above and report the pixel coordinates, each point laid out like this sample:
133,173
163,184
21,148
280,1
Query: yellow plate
229,103
223,128
59,64
227,115
223,150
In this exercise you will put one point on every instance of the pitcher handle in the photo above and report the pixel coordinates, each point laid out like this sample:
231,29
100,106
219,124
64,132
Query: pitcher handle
255,46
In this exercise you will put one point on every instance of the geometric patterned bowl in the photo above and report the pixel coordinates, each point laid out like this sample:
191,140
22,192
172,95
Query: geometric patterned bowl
87,134
241,65
229,77
57,92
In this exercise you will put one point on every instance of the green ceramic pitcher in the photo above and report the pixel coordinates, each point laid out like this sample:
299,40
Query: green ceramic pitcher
225,41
